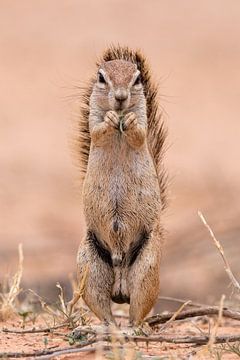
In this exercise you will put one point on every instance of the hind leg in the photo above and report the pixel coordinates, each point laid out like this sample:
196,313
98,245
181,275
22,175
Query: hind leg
144,280
98,285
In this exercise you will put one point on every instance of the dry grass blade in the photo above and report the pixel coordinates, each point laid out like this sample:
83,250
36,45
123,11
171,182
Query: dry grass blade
181,301
61,298
44,305
218,322
7,299
78,292
228,270
175,315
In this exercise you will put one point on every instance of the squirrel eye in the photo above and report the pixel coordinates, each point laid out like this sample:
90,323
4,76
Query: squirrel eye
138,80
101,78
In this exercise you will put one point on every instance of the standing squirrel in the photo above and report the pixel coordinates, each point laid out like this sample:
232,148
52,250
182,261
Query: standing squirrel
120,144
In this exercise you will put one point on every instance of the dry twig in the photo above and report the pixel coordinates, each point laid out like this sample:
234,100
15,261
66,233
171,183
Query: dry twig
213,335
176,313
228,270
48,354
34,330
78,292
208,310
199,340
152,320
48,351
181,301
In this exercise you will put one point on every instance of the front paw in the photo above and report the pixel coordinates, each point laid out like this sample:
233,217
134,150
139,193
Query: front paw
112,119
130,121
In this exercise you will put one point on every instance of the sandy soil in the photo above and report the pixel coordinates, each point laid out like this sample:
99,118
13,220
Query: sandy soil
32,343
47,48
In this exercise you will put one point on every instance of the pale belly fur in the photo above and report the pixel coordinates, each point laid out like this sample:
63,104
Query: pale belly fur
121,196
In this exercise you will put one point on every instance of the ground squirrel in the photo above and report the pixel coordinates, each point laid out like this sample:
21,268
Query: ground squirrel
120,138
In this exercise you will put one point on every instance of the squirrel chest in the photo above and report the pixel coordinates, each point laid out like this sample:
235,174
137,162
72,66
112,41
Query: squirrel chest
121,193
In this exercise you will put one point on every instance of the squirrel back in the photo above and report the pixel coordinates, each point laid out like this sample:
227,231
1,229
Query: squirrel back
156,132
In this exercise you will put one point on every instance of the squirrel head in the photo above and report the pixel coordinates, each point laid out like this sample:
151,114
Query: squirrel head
118,86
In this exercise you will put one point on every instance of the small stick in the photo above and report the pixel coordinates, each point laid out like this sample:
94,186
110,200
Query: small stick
70,351
77,294
218,322
174,315
198,340
41,353
228,270
181,301
153,320
33,331
210,310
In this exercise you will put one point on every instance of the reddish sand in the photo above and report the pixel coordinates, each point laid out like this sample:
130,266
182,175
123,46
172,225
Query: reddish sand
47,48
31,343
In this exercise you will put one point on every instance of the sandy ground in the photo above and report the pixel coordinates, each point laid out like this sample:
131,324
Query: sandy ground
32,343
48,47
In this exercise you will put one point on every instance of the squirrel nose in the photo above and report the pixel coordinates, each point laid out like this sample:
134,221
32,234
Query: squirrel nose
121,94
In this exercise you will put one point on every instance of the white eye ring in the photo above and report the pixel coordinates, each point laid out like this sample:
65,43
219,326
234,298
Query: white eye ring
138,80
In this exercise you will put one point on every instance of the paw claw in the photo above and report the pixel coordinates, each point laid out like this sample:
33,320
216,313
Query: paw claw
142,330
130,121
111,119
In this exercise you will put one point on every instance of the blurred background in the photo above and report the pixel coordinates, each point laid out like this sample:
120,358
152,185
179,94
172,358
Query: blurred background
47,49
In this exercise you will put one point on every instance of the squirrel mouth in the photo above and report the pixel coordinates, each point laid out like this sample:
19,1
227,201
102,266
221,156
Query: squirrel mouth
120,105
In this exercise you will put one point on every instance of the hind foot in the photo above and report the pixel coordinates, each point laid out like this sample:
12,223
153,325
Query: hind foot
101,329
143,330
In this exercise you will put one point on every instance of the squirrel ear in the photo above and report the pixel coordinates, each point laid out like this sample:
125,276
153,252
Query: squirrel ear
100,64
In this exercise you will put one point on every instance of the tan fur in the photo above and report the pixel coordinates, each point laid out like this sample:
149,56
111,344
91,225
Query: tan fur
124,186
